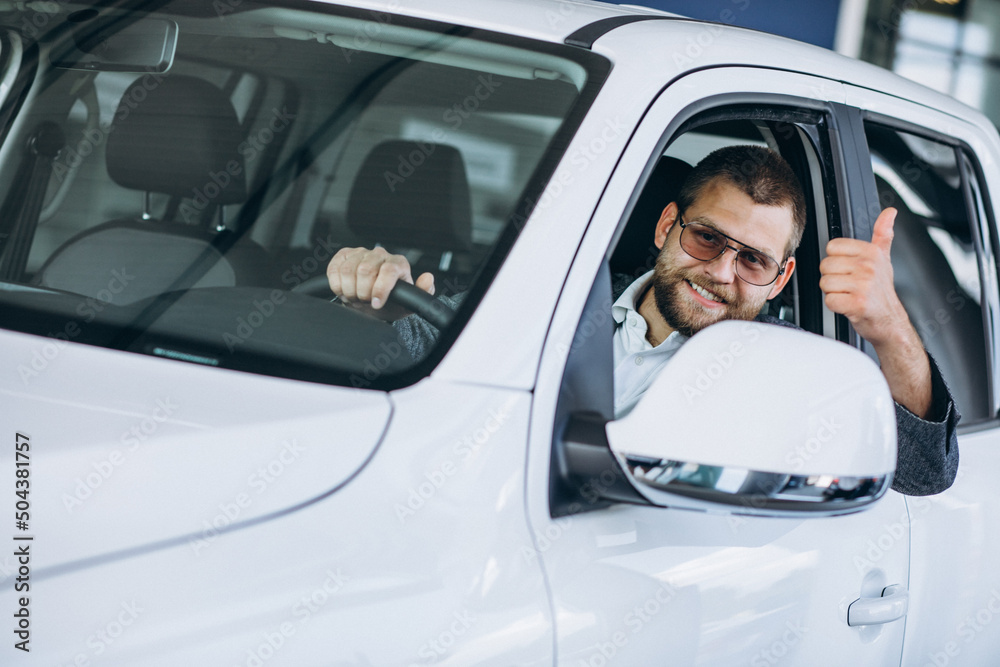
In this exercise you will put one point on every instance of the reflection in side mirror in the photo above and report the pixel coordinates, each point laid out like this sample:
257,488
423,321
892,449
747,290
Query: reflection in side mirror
746,418
763,419
108,44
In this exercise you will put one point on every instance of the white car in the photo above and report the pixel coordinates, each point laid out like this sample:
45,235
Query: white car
206,462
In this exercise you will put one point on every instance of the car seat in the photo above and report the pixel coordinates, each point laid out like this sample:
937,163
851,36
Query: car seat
635,253
948,319
182,140
427,210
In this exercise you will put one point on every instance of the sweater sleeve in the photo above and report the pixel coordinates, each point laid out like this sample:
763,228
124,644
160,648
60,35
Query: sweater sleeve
927,455
417,334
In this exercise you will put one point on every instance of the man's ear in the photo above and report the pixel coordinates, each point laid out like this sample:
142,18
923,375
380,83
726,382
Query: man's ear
783,278
664,224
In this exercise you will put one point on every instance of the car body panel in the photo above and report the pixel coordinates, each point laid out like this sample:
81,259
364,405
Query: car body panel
414,526
312,587
147,427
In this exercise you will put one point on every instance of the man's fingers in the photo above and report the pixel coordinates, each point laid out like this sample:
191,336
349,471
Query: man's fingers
340,271
369,275
882,232
840,284
860,266
391,271
844,247
840,303
426,282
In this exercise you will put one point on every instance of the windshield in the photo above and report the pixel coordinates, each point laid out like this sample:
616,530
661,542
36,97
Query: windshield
179,179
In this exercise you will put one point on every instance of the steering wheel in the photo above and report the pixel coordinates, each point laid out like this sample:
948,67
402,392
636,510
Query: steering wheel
405,295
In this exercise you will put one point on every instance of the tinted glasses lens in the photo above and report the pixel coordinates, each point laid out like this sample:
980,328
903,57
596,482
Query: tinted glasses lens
702,242
756,268
706,244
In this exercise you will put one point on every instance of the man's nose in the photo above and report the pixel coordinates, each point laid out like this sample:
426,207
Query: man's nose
723,268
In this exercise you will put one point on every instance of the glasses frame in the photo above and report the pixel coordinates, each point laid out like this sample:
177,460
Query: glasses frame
684,225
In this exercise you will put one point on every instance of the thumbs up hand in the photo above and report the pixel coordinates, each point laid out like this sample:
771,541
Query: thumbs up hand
856,279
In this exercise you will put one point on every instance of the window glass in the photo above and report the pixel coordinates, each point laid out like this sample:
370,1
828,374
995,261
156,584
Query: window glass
635,253
935,256
189,209
638,355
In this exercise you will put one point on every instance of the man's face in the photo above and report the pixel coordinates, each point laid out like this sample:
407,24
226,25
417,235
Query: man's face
691,294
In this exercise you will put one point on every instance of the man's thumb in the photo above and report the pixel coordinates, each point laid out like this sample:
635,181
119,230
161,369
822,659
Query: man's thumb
882,232
426,282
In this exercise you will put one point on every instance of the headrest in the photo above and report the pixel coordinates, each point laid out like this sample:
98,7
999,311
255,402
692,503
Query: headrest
414,195
635,252
178,136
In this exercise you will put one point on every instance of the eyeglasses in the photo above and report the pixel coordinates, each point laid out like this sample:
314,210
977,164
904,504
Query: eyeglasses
705,244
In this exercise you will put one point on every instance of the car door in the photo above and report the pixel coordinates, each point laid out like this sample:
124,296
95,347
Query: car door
640,585
941,174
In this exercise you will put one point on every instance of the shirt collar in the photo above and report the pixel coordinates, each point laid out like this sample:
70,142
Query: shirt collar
626,302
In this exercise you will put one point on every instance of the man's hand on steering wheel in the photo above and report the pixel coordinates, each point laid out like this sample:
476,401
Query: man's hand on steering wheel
360,274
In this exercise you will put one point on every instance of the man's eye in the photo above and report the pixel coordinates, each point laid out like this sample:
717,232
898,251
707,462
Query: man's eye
755,261
709,238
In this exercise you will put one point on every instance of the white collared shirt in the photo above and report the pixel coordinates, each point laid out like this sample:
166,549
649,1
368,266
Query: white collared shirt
636,361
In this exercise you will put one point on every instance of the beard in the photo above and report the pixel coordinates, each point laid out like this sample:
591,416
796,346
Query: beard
685,315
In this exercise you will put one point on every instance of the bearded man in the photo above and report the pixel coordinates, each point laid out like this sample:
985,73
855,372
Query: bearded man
726,247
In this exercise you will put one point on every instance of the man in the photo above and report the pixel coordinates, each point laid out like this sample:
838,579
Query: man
726,248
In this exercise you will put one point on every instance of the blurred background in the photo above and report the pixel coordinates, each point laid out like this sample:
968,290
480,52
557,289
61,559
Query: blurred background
945,44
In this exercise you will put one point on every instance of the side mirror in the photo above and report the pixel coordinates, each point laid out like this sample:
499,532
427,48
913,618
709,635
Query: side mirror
747,418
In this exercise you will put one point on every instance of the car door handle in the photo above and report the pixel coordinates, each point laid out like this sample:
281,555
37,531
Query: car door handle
872,611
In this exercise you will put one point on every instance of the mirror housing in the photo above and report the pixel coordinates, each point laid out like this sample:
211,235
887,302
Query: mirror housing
104,43
749,418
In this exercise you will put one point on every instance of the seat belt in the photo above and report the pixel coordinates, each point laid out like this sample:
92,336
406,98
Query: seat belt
24,204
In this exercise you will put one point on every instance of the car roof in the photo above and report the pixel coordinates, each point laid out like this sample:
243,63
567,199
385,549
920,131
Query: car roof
548,20
588,21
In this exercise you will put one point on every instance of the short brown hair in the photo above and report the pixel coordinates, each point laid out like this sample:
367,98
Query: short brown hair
760,173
